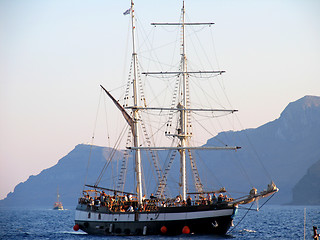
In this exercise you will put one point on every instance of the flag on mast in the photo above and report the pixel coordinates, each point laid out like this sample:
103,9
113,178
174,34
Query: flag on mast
127,12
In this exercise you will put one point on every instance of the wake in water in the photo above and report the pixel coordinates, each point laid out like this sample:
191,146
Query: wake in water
247,230
73,232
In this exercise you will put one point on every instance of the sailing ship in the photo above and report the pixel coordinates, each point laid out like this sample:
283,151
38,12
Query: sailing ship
58,205
108,211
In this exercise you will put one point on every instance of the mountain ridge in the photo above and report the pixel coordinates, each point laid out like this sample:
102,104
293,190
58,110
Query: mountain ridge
292,141
294,136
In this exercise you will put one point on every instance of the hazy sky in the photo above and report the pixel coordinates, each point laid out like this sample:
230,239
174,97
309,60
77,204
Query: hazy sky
55,53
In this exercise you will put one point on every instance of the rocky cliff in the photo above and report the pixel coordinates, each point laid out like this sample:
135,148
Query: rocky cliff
307,190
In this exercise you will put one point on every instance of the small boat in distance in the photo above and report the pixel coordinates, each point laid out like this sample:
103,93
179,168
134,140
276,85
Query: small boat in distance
57,205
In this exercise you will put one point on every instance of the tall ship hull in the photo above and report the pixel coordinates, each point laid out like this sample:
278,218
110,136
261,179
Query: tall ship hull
201,219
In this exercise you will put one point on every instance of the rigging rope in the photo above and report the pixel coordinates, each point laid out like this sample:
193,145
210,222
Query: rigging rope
123,169
241,218
254,150
267,201
113,152
248,209
92,139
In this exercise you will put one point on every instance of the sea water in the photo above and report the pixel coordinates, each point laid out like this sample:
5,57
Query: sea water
270,222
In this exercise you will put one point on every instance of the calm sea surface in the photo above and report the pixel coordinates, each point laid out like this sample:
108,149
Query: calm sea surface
271,222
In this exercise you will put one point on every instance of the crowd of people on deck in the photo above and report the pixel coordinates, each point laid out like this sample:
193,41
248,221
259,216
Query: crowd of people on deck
129,203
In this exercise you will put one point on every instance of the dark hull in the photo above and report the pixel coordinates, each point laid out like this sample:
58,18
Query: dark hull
200,220
58,208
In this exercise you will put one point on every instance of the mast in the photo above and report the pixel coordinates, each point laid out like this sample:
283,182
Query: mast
58,194
182,107
183,113
135,130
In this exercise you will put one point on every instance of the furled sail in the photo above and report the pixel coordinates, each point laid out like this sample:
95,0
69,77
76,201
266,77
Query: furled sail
123,111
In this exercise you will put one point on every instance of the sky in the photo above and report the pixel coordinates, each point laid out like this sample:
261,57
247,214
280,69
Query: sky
54,54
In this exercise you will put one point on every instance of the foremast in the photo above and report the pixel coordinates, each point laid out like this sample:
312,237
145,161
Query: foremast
135,129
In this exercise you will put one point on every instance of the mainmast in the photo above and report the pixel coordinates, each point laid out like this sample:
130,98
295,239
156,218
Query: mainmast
135,110
182,106
183,114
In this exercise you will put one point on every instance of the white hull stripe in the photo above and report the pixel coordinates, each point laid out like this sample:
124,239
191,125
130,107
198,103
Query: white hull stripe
130,217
